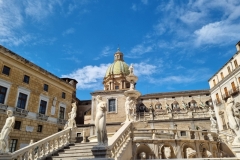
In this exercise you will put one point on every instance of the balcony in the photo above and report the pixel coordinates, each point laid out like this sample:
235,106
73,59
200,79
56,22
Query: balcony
61,121
3,107
42,117
218,102
20,112
234,91
225,96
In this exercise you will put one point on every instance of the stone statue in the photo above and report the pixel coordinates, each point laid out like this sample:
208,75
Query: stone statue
168,108
206,153
100,122
233,120
7,128
143,155
190,153
30,152
184,106
129,106
167,152
53,105
130,69
213,122
202,105
132,87
71,117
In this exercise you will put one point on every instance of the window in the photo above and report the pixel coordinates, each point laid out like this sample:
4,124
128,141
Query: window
226,91
63,95
183,133
214,82
22,100
229,70
111,105
13,145
61,112
6,70
39,129
222,76
17,125
3,92
59,129
26,79
116,87
233,86
43,106
217,98
235,63
45,87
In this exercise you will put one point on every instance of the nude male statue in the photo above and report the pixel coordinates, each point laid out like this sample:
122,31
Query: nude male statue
71,117
7,128
100,121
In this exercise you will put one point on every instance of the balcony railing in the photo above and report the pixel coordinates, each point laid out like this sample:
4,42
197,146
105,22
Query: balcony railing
234,91
225,96
20,112
3,107
42,116
61,121
218,102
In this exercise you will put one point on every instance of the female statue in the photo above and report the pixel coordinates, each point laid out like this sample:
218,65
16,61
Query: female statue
100,121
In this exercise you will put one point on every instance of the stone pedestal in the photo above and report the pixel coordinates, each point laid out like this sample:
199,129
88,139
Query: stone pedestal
236,149
100,152
5,156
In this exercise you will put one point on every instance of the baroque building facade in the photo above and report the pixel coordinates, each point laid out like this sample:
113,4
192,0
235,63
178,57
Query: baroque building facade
39,100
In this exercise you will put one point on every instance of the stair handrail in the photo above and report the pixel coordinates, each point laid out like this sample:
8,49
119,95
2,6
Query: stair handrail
45,147
117,141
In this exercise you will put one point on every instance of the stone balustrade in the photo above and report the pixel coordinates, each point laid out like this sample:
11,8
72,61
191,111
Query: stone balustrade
43,148
120,138
159,133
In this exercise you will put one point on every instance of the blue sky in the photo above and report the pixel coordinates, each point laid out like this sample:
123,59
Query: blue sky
174,45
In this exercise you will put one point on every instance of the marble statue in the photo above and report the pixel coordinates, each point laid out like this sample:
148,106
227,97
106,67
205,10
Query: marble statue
168,108
167,152
53,105
190,153
213,122
233,120
30,152
129,106
184,106
143,155
132,86
202,105
71,117
100,122
131,69
206,153
7,128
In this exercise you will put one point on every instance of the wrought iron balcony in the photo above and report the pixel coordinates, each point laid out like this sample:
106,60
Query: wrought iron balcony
61,121
20,112
3,107
225,96
42,117
234,91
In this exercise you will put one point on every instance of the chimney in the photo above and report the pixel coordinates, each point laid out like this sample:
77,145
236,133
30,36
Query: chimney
238,46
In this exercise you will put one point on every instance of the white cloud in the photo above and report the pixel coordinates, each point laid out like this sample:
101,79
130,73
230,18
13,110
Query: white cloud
106,51
189,76
141,49
68,31
192,17
89,77
217,32
144,69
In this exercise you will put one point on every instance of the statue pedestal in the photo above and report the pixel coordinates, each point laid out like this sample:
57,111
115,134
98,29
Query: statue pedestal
236,149
5,156
100,152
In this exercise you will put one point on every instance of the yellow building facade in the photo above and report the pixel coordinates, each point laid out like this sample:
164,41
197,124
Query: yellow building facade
39,100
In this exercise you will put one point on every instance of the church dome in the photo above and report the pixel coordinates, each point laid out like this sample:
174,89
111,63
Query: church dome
118,66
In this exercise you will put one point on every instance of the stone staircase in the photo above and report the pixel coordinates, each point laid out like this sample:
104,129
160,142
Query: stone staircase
74,152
